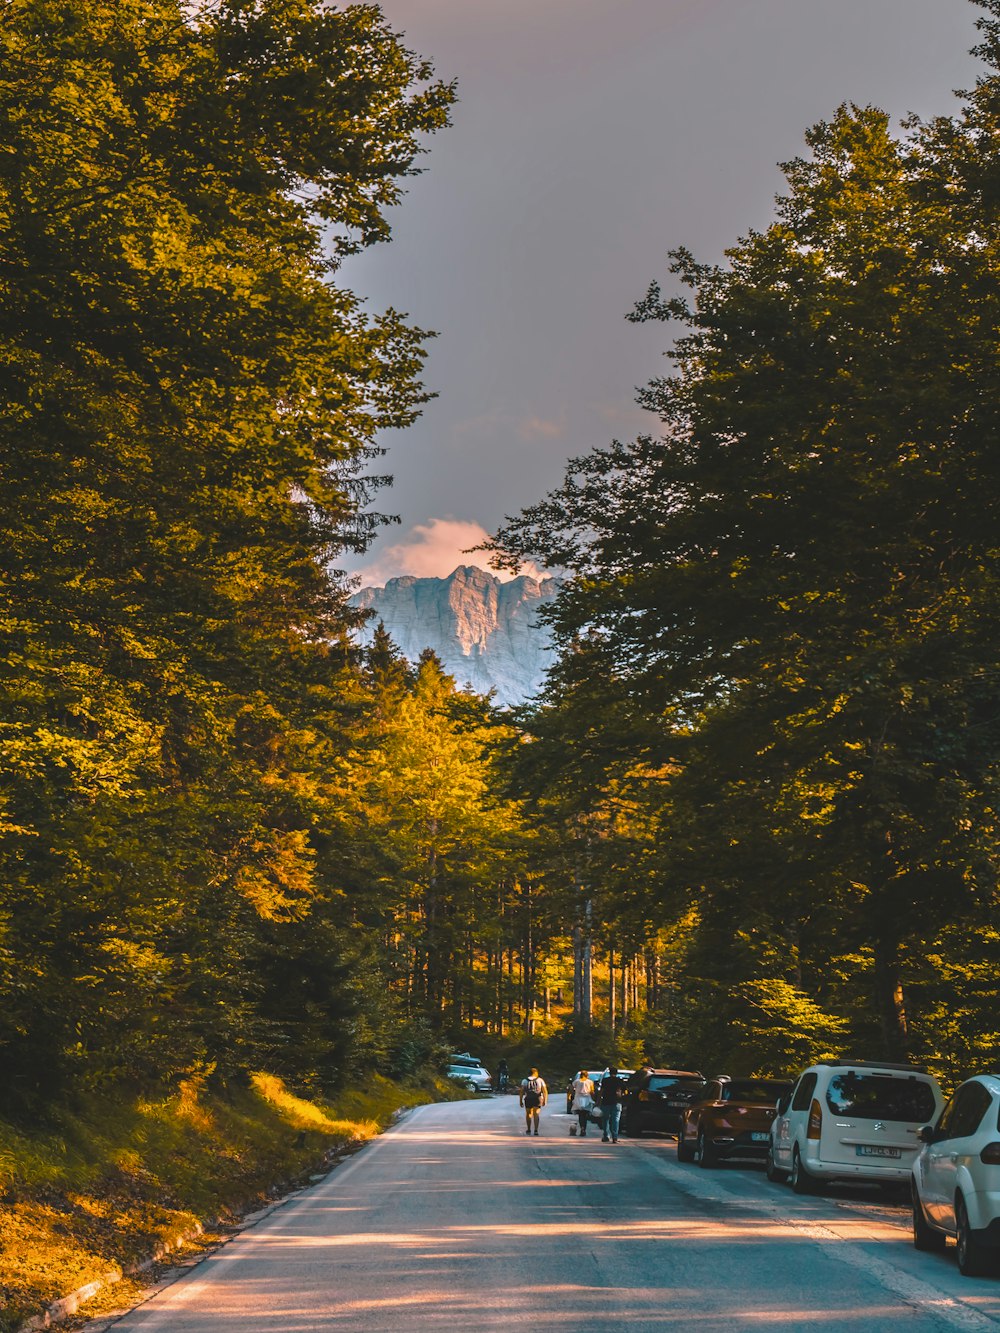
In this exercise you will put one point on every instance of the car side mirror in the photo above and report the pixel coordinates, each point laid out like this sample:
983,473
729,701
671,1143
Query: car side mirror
928,1134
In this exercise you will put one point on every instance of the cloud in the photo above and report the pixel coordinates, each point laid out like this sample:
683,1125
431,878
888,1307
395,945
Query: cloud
495,425
433,550
540,428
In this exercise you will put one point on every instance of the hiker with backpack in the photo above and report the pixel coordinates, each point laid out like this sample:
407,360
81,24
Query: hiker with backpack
534,1095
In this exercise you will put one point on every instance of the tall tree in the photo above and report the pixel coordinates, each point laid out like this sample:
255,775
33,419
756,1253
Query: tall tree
793,590
191,405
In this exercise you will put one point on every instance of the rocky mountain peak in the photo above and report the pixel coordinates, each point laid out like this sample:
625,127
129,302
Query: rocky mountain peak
486,632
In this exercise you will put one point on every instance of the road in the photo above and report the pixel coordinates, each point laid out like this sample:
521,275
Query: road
456,1220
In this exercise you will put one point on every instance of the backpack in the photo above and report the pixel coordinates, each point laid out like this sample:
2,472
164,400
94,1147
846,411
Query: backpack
532,1092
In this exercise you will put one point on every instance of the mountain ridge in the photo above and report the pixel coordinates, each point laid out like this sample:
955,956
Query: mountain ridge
485,631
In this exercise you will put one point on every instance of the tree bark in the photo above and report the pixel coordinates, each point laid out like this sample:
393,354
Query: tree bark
587,977
890,1000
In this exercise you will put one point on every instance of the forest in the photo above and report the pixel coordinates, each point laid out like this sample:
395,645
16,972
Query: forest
751,820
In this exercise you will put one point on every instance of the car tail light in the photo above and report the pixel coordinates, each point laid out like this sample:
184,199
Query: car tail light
991,1154
815,1126
644,1096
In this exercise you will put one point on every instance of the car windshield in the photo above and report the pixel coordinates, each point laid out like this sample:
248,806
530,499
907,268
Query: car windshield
764,1091
880,1096
658,1081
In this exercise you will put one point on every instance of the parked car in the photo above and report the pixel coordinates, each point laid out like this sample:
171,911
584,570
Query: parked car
471,1072
731,1118
852,1120
955,1183
655,1099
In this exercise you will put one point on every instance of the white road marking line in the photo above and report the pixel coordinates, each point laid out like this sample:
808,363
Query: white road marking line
153,1316
912,1290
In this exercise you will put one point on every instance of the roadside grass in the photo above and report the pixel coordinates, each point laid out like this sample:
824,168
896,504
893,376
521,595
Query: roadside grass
99,1189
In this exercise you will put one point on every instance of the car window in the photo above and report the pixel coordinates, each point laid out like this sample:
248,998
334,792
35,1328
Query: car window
804,1092
947,1116
754,1090
661,1081
880,1096
965,1112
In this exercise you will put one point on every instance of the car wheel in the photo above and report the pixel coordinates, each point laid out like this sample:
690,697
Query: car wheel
799,1178
685,1153
771,1170
704,1152
974,1258
924,1235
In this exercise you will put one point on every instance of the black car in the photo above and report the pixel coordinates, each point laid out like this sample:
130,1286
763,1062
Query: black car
656,1099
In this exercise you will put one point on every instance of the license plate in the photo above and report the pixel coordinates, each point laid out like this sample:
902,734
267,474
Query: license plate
872,1150
757,1137
677,1103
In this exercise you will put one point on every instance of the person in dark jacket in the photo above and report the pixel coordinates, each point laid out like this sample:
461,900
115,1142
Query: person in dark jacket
610,1100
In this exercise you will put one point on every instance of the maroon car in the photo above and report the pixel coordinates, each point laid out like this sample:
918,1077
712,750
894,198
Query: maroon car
732,1118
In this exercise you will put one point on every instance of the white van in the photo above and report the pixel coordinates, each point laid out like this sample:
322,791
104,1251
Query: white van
852,1120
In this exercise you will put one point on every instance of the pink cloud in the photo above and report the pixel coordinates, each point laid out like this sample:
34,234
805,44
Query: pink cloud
433,550
541,428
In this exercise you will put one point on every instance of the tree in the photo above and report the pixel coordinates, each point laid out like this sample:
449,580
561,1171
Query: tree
192,404
791,594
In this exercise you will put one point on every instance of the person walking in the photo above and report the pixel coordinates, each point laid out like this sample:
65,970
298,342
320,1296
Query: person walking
503,1076
610,1096
534,1095
583,1099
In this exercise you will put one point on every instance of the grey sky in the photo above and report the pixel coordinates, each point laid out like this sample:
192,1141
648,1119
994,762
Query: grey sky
590,137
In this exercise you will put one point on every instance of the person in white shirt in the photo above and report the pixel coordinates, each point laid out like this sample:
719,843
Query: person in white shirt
534,1095
583,1099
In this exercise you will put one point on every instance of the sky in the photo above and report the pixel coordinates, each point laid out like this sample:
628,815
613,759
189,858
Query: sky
590,137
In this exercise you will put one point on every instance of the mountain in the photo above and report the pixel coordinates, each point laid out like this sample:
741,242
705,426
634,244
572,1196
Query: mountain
484,631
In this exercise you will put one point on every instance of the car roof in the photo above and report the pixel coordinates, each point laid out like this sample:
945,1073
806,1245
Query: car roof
991,1079
674,1073
755,1078
868,1064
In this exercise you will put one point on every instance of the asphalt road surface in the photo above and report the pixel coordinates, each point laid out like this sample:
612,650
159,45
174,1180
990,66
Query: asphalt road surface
456,1220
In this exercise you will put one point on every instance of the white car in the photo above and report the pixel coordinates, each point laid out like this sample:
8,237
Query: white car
956,1178
852,1120
468,1070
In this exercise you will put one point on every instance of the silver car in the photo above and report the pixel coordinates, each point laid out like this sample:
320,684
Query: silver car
466,1069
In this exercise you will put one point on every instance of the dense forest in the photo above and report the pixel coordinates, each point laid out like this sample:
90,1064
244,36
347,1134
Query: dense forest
753,817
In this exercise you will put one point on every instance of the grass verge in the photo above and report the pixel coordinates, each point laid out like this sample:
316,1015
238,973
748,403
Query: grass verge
121,1177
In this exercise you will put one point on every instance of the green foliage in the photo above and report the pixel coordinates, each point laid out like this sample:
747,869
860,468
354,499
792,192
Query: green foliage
192,403
780,622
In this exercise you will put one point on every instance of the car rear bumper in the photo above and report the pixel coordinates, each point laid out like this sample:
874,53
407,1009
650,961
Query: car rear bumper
888,1172
739,1145
984,1213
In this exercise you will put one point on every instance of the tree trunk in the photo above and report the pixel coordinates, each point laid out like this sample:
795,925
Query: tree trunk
611,989
889,1000
587,978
